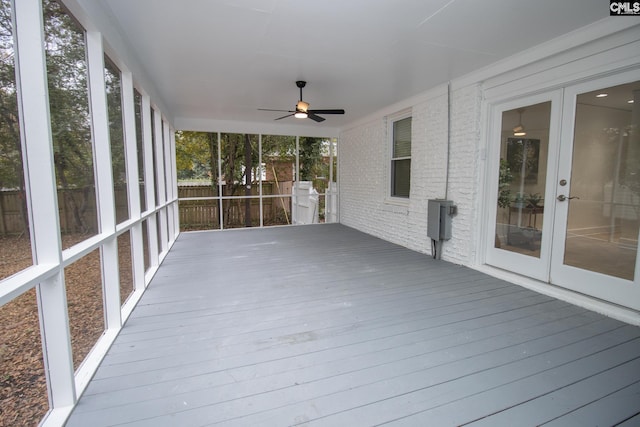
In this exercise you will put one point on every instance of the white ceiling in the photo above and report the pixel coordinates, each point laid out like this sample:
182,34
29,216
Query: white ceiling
224,59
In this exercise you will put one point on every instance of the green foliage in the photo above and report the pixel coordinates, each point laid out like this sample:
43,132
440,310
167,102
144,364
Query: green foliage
68,97
113,88
313,152
10,149
504,184
70,115
533,200
193,154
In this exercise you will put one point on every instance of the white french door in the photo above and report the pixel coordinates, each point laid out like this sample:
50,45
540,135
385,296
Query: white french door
597,215
523,157
567,193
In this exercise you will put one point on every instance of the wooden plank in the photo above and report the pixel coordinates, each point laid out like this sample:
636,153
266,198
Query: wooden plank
614,409
378,400
633,421
326,325
377,348
519,383
553,405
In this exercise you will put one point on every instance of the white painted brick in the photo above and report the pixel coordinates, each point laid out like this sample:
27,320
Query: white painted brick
365,165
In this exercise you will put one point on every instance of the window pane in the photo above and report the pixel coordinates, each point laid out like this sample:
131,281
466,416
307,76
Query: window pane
240,170
70,120
401,175
15,242
125,266
197,167
145,245
153,157
137,98
522,179
116,134
314,162
23,387
83,281
278,174
604,218
164,152
402,138
159,231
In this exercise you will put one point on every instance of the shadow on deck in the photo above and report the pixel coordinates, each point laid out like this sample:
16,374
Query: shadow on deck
324,325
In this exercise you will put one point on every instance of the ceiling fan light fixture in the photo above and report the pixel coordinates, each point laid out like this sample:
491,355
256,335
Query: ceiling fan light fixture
519,131
302,110
302,106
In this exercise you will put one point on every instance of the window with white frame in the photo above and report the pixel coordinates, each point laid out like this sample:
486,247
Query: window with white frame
401,157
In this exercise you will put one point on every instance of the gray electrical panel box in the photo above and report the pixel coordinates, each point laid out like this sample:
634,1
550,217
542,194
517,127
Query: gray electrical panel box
439,213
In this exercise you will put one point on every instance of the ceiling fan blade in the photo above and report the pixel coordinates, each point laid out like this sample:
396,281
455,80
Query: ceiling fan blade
268,109
313,117
284,117
334,111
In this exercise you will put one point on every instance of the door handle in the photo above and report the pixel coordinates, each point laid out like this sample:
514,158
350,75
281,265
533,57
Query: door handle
562,198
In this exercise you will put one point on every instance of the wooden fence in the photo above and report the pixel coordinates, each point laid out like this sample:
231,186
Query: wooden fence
77,209
205,214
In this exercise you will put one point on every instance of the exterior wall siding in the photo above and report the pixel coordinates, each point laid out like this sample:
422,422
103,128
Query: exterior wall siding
364,169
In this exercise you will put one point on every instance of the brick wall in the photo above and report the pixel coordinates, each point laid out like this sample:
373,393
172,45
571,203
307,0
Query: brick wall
364,170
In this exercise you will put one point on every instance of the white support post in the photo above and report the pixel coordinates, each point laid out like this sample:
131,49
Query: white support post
337,186
220,190
104,180
38,161
174,184
260,179
150,191
168,179
133,186
296,185
161,180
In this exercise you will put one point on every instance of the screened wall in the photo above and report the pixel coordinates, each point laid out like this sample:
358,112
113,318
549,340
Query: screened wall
88,204
232,180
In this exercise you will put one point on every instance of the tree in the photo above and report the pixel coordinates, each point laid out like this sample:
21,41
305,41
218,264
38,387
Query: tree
313,167
11,166
69,110
196,153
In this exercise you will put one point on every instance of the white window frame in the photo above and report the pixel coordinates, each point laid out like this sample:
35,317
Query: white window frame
391,120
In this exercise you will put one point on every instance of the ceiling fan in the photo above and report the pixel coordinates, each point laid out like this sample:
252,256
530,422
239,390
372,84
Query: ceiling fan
302,110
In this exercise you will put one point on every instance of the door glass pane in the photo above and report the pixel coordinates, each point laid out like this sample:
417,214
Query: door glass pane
604,212
524,145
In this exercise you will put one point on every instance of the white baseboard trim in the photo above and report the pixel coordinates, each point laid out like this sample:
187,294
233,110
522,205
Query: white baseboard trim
605,308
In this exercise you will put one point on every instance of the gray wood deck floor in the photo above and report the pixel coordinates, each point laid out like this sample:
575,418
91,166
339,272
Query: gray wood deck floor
323,325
